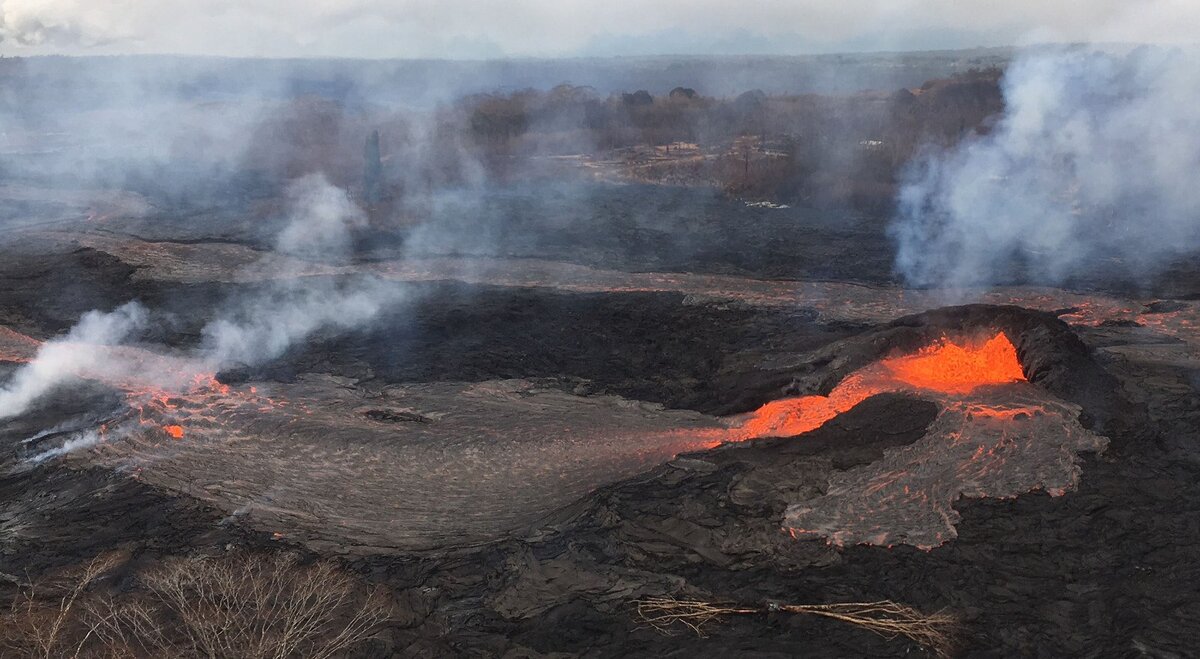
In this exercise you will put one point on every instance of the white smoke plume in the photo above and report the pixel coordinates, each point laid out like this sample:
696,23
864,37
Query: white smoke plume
322,218
257,328
1089,172
80,440
62,360
266,327
41,23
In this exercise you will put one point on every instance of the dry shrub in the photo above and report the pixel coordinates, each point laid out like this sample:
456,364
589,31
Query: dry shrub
244,606
46,619
933,631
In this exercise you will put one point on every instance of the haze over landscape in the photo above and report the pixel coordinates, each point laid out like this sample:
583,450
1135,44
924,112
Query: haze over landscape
553,329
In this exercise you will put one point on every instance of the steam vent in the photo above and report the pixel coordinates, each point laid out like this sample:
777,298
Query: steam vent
855,355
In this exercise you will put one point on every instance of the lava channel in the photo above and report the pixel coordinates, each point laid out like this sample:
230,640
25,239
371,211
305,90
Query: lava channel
946,368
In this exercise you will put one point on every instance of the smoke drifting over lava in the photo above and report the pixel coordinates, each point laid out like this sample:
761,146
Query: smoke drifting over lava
74,355
1087,172
261,328
250,330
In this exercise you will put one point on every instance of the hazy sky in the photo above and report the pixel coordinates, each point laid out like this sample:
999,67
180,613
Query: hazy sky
492,28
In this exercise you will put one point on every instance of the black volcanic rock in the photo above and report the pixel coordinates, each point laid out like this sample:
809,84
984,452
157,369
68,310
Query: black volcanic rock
1100,571
55,516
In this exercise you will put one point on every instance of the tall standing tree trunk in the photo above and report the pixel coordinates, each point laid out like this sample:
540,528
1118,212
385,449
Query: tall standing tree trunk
372,170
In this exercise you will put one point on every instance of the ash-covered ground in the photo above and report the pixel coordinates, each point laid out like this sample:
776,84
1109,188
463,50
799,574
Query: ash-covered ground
521,435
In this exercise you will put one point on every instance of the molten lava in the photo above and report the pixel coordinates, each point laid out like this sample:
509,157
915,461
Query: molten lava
945,367
953,369
175,432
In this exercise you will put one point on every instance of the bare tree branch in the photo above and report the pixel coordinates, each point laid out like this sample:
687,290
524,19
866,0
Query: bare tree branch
933,631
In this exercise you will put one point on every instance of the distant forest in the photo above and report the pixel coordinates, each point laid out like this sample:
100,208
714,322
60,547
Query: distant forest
825,149
849,147
814,132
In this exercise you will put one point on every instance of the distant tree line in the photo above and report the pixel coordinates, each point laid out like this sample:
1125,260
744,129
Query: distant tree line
823,148
850,147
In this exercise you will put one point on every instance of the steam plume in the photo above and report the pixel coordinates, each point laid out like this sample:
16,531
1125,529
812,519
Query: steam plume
79,440
255,329
1089,172
263,327
62,360
322,216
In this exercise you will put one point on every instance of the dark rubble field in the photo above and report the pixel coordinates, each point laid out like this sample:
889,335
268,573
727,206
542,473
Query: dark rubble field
518,459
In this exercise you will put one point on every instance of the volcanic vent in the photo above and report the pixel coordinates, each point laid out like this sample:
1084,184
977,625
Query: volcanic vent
996,435
946,367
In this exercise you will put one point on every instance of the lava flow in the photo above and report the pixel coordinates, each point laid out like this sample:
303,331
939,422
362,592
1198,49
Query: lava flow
945,367
998,442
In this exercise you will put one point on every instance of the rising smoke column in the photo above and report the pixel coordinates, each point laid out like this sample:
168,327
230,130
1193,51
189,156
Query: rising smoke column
321,218
251,330
264,326
75,355
1090,169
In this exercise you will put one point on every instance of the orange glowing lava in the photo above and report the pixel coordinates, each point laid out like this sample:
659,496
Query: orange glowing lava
174,431
953,369
945,367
